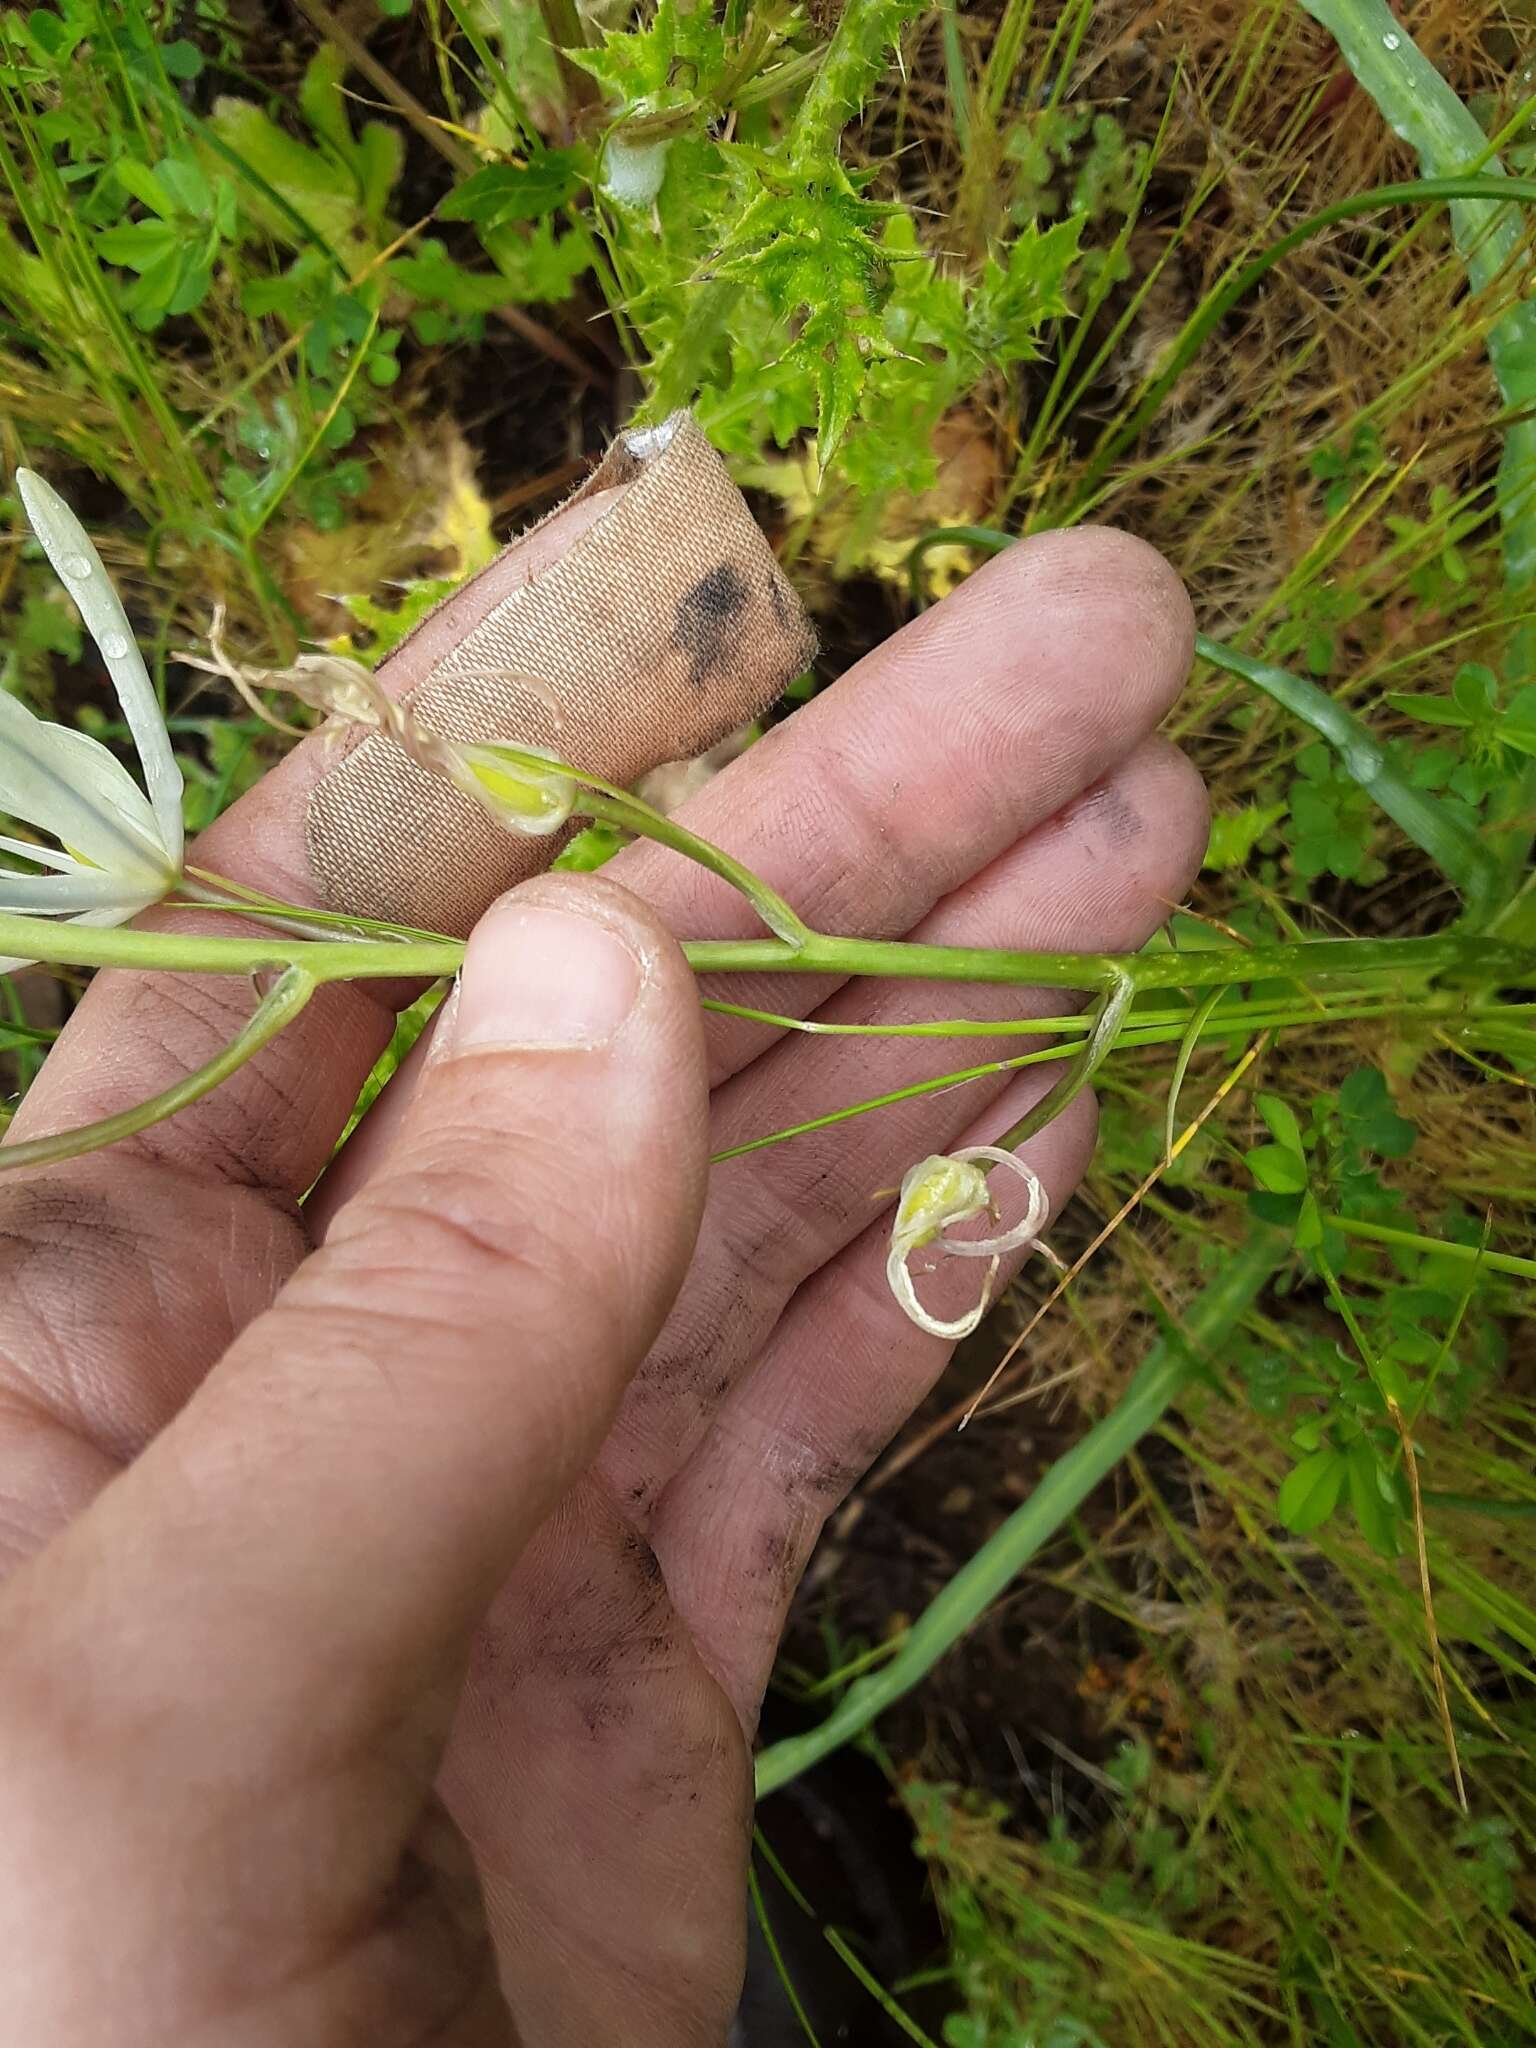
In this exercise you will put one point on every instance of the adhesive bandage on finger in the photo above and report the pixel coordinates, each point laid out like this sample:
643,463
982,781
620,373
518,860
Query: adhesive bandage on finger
667,625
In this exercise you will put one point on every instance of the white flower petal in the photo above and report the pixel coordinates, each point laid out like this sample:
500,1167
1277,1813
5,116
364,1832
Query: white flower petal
69,785
69,548
899,1279
45,856
1029,1225
46,895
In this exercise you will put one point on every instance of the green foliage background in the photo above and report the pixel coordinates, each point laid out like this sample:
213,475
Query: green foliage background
938,277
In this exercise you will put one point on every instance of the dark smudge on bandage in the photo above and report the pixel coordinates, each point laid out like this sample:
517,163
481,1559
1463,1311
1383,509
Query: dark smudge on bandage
667,625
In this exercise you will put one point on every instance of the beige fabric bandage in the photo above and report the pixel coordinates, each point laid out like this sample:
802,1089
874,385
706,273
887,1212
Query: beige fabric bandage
666,626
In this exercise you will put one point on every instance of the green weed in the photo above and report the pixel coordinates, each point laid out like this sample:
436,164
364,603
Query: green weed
945,277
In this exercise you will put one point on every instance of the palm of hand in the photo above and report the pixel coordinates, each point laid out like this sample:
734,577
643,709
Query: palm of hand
986,778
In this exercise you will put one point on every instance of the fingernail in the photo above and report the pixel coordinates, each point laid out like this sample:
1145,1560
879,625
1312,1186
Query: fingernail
539,978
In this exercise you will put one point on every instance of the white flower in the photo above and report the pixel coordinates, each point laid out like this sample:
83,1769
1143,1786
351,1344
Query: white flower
952,1188
119,851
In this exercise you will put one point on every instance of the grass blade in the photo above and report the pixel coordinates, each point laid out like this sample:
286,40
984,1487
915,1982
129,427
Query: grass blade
1163,1375
1424,110
1455,850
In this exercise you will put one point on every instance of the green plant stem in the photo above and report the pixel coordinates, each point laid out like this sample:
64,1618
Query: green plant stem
1155,1027
877,1991
935,1084
567,31
1487,961
1073,1044
1470,1254
1480,1504
1085,1063
276,1009
615,807
607,805
1207,1324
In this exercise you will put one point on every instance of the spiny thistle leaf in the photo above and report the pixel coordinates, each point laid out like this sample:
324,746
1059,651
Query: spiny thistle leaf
810,248
1020,293
649,70
855,58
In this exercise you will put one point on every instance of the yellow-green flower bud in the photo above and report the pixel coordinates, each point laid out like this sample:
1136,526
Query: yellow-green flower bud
506,782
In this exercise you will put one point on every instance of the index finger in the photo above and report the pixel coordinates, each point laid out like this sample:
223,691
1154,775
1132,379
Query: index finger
274,1123
130,1271
644,621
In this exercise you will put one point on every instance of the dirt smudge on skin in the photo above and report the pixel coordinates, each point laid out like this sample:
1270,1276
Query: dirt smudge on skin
1105,808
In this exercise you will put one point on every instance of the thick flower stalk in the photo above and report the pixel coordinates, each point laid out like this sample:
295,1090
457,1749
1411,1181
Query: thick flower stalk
119,850
940,1192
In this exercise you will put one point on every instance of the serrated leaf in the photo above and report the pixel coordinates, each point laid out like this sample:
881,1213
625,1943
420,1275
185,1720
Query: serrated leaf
812,252
321,101
1020,294
1234,834
306,180
678,57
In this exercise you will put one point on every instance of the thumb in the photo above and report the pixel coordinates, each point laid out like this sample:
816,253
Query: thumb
313,1540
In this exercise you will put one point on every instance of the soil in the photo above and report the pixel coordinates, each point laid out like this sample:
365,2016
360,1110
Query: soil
1017,1709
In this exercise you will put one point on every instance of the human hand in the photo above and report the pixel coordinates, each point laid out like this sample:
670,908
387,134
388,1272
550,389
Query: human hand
387,1622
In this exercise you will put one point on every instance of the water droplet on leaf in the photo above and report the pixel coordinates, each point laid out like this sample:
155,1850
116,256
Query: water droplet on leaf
76,566
1391,42
113,646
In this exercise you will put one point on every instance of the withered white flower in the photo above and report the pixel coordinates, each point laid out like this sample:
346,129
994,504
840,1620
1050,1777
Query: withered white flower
119,849
943,1190
508,782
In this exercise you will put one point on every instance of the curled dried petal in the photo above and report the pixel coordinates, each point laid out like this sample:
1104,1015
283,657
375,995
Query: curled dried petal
337,685
950,1188
1029,1225
331,683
